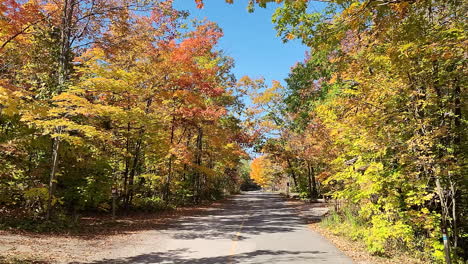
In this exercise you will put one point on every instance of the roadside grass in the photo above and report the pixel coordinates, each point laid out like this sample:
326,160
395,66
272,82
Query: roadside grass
345,224
350,233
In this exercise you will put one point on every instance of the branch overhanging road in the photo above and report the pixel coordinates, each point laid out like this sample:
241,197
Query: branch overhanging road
254,227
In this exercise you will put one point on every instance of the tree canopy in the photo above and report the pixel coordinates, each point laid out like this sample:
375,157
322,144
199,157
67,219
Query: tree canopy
103,98
127,105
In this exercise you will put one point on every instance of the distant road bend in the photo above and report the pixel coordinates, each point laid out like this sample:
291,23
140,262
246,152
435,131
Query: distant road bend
254,227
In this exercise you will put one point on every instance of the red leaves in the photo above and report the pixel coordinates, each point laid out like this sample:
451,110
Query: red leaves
199,3
16,19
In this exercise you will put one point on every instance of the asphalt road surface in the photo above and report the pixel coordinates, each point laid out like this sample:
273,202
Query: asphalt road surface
254,227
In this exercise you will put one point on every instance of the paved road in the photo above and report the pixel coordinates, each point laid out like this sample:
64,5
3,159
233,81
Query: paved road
252,228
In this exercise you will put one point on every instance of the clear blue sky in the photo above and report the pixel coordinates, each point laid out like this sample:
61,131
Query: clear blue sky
249,38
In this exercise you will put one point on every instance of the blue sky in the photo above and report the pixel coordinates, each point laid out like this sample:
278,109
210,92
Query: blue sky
249,38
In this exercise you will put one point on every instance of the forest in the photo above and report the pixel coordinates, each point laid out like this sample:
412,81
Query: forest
113,98
115,106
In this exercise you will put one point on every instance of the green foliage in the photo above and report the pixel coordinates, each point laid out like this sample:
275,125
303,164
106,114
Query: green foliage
345,223
36,199
379,235
151,204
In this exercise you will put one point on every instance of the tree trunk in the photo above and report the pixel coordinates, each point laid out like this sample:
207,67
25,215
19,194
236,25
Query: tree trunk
312,182
453,191
127,167
309,180
65,42
55,149
167,187
198,162
136,158
187,144
293,174
63,72
132,174
445,210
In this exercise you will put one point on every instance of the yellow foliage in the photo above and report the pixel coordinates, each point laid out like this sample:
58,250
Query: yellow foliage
261,171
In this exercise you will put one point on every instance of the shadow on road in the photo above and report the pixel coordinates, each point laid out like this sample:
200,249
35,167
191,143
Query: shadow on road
244,217
258,213
174,256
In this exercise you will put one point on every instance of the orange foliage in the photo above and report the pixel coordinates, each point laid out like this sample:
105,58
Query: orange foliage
261,171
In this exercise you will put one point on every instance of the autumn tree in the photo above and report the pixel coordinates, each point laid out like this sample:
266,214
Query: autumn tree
384,79
101,99
265,173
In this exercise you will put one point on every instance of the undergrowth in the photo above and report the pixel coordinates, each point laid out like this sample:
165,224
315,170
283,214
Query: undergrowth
380,240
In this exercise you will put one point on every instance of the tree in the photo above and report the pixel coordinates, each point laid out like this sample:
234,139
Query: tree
262,172
391,109
101,99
